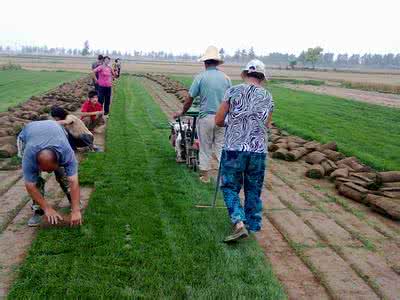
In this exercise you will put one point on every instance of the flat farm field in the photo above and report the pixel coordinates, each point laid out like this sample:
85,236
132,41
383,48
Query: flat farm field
82,64
16,86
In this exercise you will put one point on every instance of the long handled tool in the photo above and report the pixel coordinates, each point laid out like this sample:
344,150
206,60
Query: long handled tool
214,200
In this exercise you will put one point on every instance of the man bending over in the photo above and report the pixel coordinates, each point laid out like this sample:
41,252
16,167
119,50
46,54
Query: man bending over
44,147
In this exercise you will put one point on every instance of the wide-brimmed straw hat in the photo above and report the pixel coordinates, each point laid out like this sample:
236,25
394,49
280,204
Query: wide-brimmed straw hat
212,53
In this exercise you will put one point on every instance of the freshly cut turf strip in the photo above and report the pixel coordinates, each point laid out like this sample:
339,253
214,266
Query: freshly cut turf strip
142,236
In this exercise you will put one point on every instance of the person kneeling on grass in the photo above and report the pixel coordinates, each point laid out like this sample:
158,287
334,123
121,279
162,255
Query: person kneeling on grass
78,134
44,147
92,111
246,113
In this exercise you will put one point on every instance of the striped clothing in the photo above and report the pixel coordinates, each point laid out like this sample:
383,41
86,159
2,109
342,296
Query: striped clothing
249,107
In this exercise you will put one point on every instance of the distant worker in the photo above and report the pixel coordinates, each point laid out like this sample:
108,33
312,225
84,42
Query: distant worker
97,63
117,67
210,86
105,77
79,135
246,113
44,147
92,111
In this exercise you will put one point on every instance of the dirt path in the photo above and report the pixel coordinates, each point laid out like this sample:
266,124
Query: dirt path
15,236
390,100
321,245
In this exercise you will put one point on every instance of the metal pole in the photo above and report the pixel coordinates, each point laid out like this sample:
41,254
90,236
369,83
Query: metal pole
217,185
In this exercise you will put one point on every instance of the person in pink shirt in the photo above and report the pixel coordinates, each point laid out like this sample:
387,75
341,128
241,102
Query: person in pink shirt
105,78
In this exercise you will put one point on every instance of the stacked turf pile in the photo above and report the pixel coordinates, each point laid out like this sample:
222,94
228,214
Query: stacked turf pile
170,86
68,95
380,190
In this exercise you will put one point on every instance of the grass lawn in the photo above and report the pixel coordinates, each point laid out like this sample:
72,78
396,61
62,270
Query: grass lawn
17,86
142,236
370,132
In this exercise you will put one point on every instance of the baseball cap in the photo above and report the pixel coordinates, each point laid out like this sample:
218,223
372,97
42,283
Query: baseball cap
255,66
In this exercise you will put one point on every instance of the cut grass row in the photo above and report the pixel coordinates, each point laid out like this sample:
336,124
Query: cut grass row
370,132
16,86
142,236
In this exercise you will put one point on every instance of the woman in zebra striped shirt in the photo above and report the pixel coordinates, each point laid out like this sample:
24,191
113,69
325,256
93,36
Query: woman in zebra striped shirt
246,113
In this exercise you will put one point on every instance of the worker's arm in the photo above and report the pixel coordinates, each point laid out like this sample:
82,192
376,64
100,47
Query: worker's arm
113,72
221,114
93,113
64,122
186,106
94,75
76,217
52,216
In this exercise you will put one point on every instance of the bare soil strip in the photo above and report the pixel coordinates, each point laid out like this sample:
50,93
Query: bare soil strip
321,245
390,100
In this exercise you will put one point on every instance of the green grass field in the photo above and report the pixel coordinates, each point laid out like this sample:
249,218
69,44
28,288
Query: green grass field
370,132
142,236
17,86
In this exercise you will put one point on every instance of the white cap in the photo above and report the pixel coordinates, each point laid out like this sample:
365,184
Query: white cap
255,66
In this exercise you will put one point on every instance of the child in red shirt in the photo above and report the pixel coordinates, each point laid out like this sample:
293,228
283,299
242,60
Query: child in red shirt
92,111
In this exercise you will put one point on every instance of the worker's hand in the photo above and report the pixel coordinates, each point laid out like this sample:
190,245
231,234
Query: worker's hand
52,216
177,115
76,218
99,113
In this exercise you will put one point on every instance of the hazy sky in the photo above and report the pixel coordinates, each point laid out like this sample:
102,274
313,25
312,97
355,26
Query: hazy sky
190,26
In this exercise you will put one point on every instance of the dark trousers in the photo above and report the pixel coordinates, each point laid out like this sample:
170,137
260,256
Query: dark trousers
84,140
105,98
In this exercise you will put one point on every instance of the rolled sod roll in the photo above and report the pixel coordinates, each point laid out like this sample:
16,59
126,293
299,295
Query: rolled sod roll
329,166
353,163
315,157
353,191
343,172
315,171
274,138
296,139
313,145
333,155
392,184
293,145
296,154
390,176
392,194
282,144
272,147
387,206
340,180
280,153
331,146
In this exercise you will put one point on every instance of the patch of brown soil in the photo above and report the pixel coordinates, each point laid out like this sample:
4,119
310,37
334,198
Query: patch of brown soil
390,100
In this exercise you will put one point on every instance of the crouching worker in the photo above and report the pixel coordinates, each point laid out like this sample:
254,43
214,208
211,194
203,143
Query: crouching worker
78,135
246,113
44,147
92,111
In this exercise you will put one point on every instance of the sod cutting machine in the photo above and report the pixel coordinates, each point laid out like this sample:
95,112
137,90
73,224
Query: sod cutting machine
184,139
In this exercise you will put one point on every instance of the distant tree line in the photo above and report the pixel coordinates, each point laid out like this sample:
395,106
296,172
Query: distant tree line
310,58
